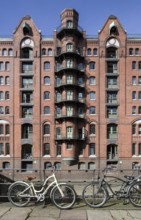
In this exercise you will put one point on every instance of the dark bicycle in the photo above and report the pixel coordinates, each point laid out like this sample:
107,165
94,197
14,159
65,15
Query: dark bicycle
97,193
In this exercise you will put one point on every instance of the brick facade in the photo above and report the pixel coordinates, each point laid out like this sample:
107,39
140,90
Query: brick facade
71,100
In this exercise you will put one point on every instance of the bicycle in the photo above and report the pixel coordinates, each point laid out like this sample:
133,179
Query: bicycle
97,193
62,195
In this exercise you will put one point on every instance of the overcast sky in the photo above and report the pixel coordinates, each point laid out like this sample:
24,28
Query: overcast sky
92,14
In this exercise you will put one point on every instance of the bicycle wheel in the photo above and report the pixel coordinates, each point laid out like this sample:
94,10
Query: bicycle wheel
63,196
135,194
19,194
94,195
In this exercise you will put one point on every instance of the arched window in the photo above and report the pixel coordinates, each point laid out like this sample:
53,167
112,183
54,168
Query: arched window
89,51
92,65
46,66
43,52
46,149
47,165
7,95
7,66
46,95
6,165
92,95
1,80
95,51
92,129
137,51
46,110
92,80
49,52
46,129
7,80
7,110
81,166
57,165
4,52
69,47
130,51
46,80
92,110
10,52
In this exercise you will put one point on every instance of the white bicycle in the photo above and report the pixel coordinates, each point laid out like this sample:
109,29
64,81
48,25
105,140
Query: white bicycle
62,195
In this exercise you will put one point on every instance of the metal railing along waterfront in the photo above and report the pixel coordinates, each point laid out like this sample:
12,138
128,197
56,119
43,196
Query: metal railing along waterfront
76,178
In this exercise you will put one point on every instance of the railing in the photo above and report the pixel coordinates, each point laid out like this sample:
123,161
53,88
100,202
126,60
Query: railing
59,68
61,99
60,28
63,50
63,83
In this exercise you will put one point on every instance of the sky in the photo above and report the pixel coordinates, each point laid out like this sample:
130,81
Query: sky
92,14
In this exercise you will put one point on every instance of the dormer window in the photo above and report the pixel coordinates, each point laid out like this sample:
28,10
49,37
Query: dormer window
26,29
113,29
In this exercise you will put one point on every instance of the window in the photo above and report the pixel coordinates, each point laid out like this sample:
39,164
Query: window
6,165
139,129
92,65
1,80
46,129
7,149
133,149
69,146
80,66
1,149
47,165
92,80
139,149
1,95
46,110
133,65
139,80
58,149
81,166
133,129
46,95
139,65
4,52
112,131
69,63
137,51
7,95
10,52
139,95
46,149
92,150
92,110
43,52
57,165
92,129
95,51
1,66
7,80
7,66
133,80
69,24
7,129
7,110
139,110
49,52
130,51
46,66
133,110
1,110
92,95
133,95
1,130
69,47
46,80
89,52
91,166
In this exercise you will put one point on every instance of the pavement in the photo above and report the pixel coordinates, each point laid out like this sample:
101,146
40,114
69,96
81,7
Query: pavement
113,210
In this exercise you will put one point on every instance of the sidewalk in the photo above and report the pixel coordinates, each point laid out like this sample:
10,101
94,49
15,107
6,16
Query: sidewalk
78,212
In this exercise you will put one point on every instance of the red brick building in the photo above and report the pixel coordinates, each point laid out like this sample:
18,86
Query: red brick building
73,101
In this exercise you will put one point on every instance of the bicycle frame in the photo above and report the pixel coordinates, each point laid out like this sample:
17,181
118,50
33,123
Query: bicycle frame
43,191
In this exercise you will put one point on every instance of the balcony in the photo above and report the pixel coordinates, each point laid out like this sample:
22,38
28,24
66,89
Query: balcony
63,30
71,83
59,69
70,137
64,51
28,86
60,100
61,116
112,86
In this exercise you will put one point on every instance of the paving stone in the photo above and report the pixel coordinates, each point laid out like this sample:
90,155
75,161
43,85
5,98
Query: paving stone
135,214
120,215
73,215
99,215
17,213
48,211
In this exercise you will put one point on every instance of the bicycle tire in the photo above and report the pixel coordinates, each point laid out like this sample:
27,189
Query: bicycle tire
94,195
135,194
13,194
66,201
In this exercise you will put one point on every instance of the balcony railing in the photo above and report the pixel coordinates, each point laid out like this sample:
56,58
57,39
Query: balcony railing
70,115
69,83
70,137
60,99
76,67
74,50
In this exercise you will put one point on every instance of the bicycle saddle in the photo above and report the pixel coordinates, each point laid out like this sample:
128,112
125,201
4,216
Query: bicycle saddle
129,177
30,178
